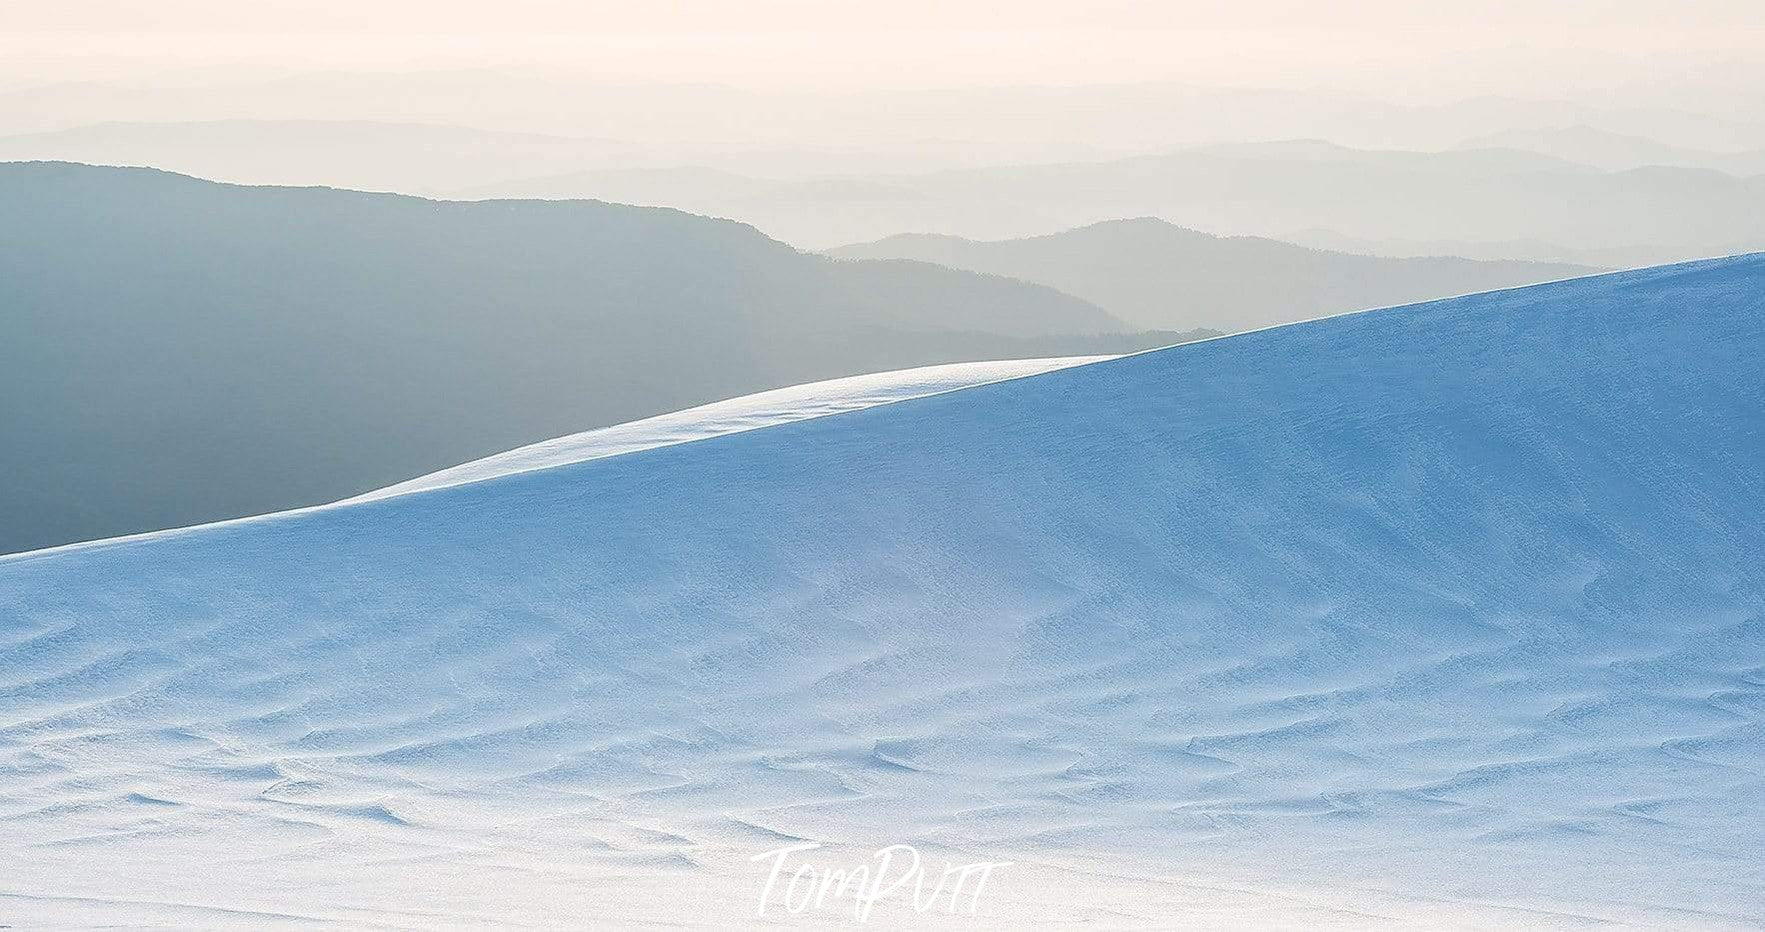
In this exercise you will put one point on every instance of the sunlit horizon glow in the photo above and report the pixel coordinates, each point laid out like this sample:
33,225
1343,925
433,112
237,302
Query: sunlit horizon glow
1399,50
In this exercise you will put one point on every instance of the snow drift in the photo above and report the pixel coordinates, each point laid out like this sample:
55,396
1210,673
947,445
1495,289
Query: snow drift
1447,614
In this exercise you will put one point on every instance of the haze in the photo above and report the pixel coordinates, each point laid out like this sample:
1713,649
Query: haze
1671,51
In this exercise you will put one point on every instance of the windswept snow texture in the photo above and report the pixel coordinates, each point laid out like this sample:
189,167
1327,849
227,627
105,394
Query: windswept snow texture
1452,614
749,412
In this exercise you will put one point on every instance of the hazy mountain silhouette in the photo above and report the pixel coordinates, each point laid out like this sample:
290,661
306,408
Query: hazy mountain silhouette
176,350
1527,250
1262,189
1617,151
1156,274
952,125
694,184
376,156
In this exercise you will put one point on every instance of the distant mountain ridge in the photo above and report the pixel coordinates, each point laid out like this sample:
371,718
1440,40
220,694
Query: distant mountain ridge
411,158
1156,274
175,350
1619,152
1478,195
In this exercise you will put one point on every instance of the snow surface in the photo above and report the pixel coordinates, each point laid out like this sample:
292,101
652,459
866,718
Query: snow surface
1445,615
749,412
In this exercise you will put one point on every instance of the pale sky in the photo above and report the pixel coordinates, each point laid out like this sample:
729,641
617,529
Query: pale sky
1409,47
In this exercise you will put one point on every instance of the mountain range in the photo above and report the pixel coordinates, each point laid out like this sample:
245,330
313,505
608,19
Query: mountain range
176,351
1158,275
931,127
1618,151
1481,195
411,158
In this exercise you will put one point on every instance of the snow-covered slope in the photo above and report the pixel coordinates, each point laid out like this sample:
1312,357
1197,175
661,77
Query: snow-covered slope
1451,614
749,412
